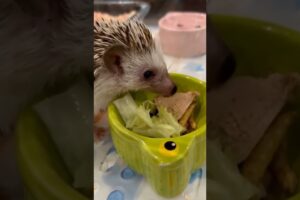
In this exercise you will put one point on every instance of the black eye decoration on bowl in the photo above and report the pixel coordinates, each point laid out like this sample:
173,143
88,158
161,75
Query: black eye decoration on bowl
170,145
148,74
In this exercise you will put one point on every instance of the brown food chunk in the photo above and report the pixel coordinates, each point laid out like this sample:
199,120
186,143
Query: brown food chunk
177,104
192,123
245,107
261,156
283,172
187,115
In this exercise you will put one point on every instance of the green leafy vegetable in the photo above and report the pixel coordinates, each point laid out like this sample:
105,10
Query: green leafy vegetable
138,119
127,108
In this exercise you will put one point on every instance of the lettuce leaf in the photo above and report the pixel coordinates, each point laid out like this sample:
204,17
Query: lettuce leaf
137,118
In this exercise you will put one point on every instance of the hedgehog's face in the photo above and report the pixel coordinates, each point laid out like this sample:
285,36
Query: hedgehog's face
136,71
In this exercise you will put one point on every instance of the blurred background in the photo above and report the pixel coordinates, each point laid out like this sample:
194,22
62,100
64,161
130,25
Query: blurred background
286,13
161,7
263,39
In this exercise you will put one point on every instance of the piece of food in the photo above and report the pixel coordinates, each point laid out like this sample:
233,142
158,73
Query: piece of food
284,174
244,108
261,156
177,104
187,115
192,123
240,119
140,120
127,108
163,117
162,125
182,106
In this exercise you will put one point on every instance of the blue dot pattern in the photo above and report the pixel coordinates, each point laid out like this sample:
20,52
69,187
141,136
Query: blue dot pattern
116,195
112,149
195,175
127,173
195,67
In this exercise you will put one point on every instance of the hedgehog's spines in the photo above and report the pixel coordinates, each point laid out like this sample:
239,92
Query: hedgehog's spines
130,34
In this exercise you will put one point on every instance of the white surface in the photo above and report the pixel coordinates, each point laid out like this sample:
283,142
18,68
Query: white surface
135,187
191,66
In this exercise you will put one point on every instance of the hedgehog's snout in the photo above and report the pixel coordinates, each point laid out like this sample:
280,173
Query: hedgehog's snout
174,90
171,91
165,87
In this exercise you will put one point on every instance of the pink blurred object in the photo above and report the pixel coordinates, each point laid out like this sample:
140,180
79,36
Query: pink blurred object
183,34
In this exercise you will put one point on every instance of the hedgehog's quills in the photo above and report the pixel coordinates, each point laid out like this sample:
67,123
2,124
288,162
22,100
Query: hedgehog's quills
126,59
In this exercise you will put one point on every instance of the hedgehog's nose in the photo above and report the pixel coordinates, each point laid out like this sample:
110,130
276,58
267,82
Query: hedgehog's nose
174,90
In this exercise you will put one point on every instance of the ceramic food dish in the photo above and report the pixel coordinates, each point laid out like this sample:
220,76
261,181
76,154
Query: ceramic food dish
183,34
166,168
42,168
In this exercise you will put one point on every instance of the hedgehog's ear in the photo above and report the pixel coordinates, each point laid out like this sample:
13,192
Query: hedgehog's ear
113,59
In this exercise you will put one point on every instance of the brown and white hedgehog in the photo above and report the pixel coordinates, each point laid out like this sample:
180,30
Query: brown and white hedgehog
126,58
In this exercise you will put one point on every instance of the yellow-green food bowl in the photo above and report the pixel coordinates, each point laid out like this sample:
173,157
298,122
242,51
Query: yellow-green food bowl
41,166
167,171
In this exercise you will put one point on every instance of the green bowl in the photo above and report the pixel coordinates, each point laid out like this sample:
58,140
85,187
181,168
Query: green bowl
261,48
168,172
43,172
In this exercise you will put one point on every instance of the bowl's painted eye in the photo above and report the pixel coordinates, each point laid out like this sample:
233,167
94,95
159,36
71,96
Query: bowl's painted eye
169,149
148,74
170,145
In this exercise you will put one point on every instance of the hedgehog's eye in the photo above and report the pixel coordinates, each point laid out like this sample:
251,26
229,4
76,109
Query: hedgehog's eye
148,74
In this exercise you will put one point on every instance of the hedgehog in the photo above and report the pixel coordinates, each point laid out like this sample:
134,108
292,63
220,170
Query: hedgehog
126,58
